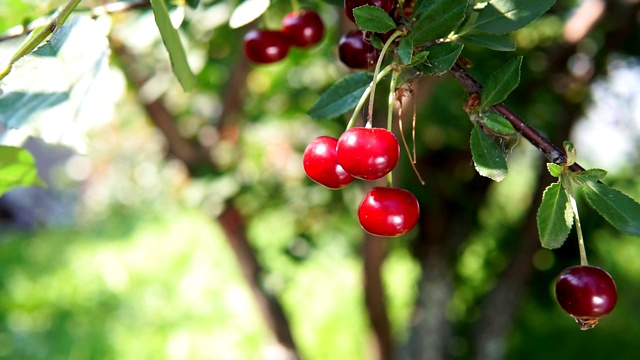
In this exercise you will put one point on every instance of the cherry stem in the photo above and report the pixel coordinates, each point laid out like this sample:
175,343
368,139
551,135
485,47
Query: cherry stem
376,71
565,178
295,6
365,95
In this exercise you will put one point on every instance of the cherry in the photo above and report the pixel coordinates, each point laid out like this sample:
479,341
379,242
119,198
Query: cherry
304,28
321,165
368,153
388,211
587,293
265,46
356,51
349,5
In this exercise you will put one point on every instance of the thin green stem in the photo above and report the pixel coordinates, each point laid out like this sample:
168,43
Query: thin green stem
392,98
383,52
295,6
38,35
568,188
365,95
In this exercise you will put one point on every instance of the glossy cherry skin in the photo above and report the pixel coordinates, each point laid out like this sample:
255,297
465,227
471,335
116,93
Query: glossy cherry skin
388,211
355,51
349,5
321,164
265,46
304,28
587,293
368,153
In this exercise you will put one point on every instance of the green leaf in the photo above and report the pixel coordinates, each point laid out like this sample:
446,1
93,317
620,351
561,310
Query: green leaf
405,50
441,58
17,168
247,11
437,19
554,169
501,83
590,175
498,124
63,68
338,3
489,41
373,18
555,217
173,44
503,16
617,208
487,156
342,96
193,3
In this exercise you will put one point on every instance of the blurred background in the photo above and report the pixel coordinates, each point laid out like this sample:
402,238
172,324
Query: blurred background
182,226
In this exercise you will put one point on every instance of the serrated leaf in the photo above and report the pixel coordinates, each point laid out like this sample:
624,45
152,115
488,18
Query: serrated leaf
342,96
489,41
173,44
590,175
437,19
487,157
554,169
501,83
554,217
441,58
17,168
498,124
67,64
617,208
373,18
405,50
503,16
247,11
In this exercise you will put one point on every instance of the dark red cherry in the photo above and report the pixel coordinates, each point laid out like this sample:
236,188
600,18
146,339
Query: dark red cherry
304,28
349,5
265,46
356,51
321,165
587,293
368,153
388,211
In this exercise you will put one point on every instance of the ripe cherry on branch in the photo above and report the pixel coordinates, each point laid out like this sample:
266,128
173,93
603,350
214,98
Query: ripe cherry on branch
321,164
388,211
587,293
304,28
355,50
368,153
265,46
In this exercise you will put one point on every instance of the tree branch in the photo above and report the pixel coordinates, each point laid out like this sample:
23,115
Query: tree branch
552,152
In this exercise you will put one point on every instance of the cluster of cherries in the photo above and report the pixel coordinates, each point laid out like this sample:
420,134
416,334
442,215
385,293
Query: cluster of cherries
301,29
368,154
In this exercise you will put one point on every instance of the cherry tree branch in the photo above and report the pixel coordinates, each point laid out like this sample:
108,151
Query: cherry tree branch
551,151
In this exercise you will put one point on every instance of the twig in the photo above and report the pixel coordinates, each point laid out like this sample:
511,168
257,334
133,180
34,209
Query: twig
552,152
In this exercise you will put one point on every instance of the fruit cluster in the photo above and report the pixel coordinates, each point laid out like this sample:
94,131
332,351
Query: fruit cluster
301,29
367,154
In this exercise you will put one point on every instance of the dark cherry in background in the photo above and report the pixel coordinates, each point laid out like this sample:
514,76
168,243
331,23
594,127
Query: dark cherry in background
265,46
356,51
349,5
304,28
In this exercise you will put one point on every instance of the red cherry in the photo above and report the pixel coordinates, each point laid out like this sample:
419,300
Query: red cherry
265,46
321,165
368,153
388,211
304,28
356,51
587,293
349,5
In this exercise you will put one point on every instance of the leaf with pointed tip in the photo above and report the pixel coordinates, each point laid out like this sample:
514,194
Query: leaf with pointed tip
373,18
247,11
503,16
554,217
498,124
441,58
554,169
617,208
501,83
590,175
405,50
487,156
342,96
